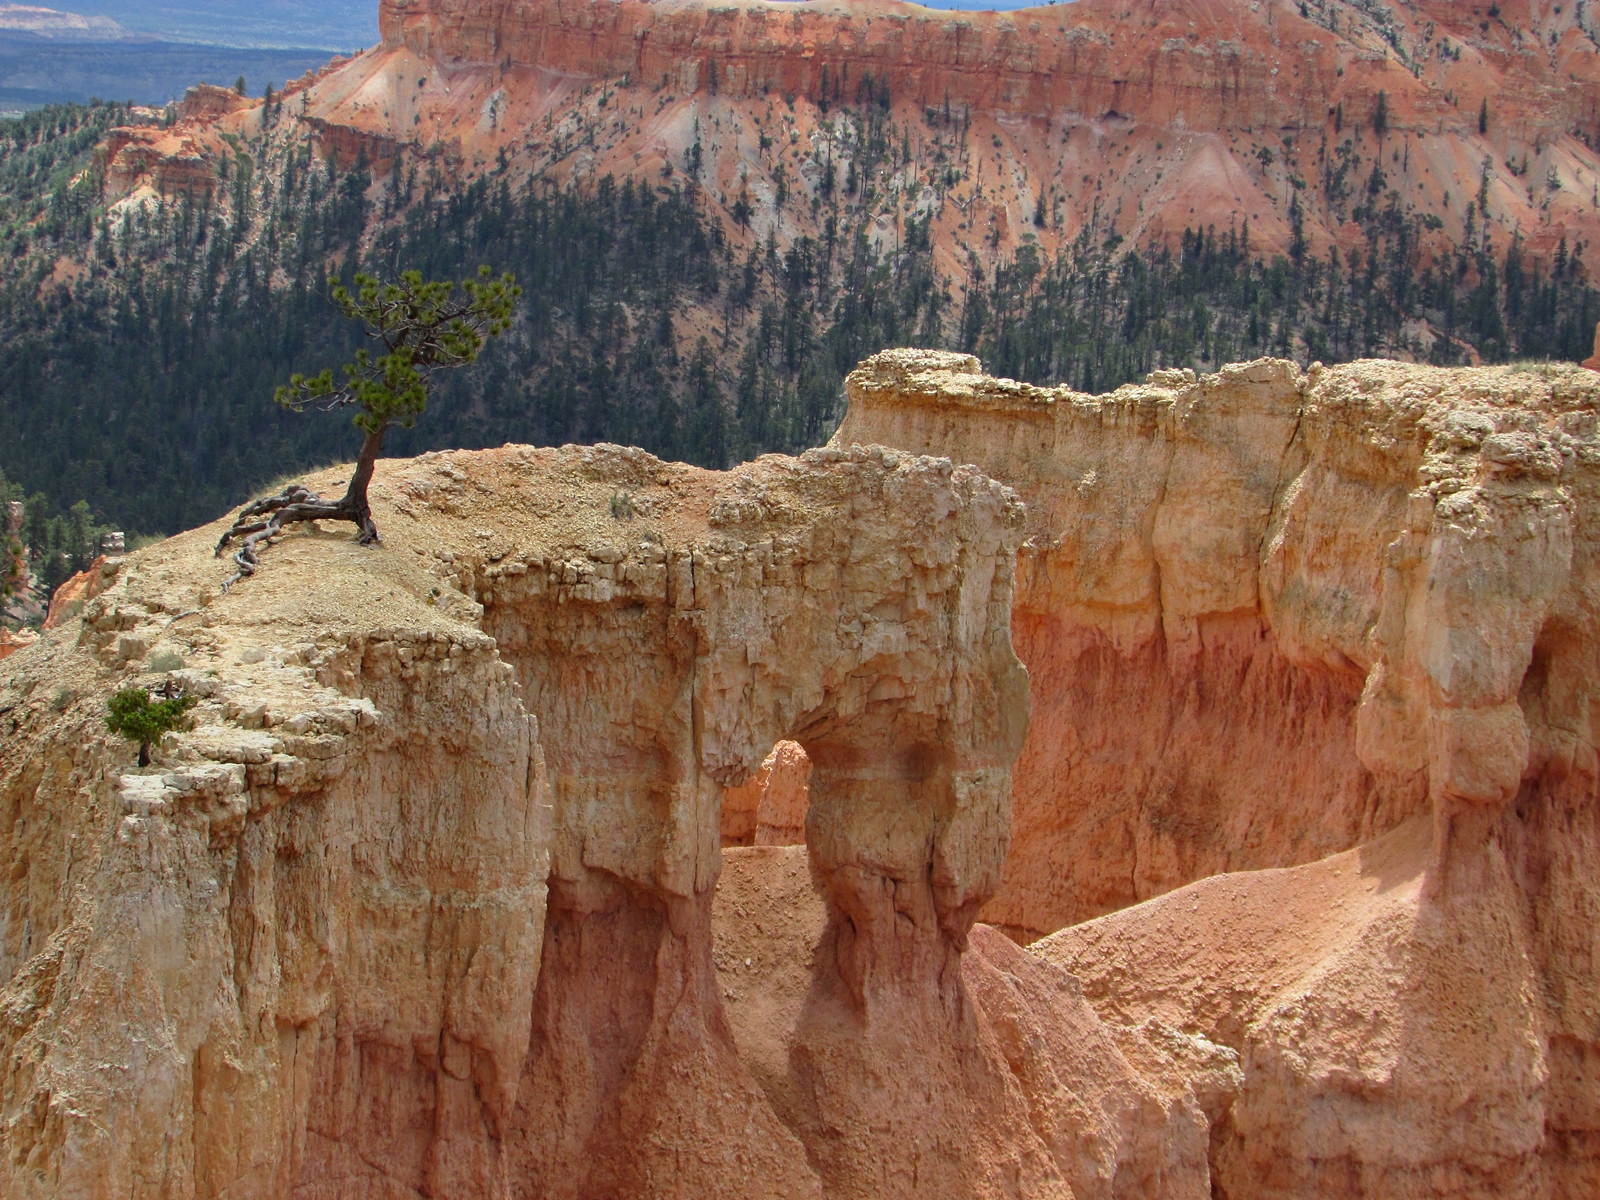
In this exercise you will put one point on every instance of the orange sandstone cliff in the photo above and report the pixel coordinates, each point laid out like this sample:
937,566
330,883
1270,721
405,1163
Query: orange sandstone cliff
1034,126
1268,616
439,894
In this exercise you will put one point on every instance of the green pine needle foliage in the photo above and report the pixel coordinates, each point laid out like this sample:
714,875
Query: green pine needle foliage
421,328
135,715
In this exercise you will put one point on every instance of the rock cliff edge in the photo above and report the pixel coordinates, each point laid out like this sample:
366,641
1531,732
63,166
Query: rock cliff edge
456,882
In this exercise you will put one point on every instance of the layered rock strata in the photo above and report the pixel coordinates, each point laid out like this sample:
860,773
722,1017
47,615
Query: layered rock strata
1268,615
430,898
280,963
1389,1043
1075,1117
1144,122
309,954
1015,133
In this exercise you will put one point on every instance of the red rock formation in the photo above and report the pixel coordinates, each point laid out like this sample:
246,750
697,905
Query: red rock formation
170,162
1222,604
1394,1036
12,641
68,600
769,808
206,101
425,901
1149,122
344,973
1052,1099
182,159
1324,603
1035,127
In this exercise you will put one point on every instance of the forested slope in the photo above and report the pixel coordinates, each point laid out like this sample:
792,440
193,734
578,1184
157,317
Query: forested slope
140,341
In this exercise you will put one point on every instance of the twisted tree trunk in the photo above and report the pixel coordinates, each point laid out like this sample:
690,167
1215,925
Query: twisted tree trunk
262,520
355,496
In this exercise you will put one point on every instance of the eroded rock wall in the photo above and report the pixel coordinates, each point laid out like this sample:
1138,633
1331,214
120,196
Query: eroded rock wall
1268,614
310,954
281,963
425,900
809,611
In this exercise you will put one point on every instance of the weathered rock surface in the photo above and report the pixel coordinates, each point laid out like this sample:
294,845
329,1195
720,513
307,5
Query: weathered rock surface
280,962
1268,616
769,808
1045,1097
431,897
67,601
1139,123
1391,1042
309,953
1151,120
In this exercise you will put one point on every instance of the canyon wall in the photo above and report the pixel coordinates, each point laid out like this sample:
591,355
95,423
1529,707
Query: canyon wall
1267,616
421,901
1282,70
1026,128
429,898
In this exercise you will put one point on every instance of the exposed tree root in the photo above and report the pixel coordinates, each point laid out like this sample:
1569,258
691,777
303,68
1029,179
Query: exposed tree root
262,520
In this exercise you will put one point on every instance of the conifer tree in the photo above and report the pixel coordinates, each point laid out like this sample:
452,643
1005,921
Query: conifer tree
422,329
140,718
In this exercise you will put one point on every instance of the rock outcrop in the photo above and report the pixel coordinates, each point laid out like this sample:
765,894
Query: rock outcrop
431,898
1073,1112
1268,616
12,641
67,601
769,808
310,952
1145,123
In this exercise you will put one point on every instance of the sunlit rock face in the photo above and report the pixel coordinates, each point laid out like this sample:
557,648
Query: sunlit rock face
1010,130
1257,704
1268,616
316,939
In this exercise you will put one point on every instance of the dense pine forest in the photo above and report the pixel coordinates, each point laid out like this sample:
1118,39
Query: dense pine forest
140,346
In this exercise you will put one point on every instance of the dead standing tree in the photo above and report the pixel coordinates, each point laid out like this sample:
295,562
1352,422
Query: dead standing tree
423,328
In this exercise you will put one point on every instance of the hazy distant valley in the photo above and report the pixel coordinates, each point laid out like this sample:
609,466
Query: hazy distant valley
151,53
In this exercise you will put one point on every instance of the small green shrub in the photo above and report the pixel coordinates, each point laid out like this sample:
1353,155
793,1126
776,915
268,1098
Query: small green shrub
140,718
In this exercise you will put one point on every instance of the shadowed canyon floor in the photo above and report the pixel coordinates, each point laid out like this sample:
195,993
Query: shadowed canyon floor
620,828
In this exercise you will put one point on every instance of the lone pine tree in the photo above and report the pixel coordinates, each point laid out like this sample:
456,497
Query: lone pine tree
422,329
139,717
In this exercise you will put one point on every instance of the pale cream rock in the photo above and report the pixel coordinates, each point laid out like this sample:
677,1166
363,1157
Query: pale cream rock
309,952
1268,616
